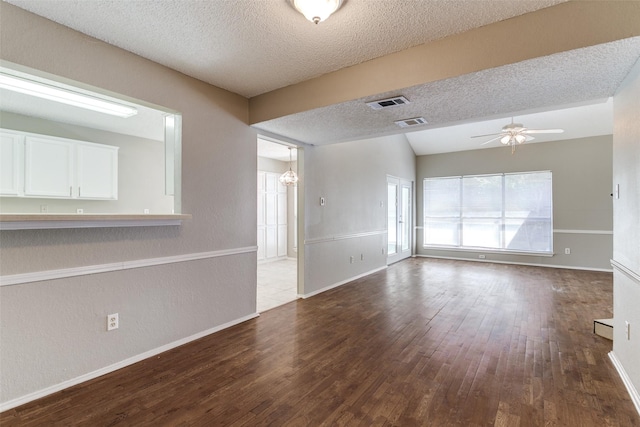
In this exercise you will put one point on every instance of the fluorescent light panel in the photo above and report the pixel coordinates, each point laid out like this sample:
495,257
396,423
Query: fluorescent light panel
52,93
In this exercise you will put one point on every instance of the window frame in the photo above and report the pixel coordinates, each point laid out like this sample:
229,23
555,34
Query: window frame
503,218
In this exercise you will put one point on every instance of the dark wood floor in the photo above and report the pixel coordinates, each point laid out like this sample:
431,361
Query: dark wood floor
424,343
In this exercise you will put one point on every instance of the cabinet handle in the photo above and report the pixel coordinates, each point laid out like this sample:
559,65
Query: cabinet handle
79,191
70,191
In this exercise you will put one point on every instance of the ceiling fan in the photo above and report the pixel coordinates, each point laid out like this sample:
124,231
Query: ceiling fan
514,134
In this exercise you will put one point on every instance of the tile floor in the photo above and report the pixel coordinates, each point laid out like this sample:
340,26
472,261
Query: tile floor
277,283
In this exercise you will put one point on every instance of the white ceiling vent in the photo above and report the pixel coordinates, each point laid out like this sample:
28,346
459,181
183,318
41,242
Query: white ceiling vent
389,102
416,121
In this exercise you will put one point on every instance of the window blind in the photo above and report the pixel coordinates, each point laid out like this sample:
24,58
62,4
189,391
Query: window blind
508,211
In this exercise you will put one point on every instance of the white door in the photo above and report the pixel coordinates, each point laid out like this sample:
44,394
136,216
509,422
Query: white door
282,220
399,216
272,216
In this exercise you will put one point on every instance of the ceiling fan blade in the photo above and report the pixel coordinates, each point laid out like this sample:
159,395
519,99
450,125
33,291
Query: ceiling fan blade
491,140
489,134
543,131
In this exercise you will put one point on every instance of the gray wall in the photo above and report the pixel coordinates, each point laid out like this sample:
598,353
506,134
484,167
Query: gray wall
272,165
582,174
157,305
352,177
140,171
626,222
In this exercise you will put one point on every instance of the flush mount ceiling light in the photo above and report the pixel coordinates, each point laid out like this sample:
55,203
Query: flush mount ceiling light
65,96
289,177
316,10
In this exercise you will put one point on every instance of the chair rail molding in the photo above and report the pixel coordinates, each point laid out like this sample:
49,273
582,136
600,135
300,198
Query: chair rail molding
39,276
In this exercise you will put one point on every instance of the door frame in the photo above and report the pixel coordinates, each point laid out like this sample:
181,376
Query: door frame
298,220
404,223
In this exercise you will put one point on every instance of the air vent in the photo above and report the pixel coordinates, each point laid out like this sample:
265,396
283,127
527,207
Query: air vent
416,121
389,102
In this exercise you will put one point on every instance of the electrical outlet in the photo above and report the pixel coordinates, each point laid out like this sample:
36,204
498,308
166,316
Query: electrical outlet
146,211
361,257
112,322
79,210
350,260
482,256
322,201
627,329
567,251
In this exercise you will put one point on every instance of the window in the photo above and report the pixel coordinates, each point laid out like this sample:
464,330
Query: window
506,212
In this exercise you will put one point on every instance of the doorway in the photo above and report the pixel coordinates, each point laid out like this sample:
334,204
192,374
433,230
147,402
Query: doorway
399,219
277,219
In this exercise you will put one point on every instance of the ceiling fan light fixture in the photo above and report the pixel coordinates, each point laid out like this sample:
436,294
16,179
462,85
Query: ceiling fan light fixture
517,138
316,10
514,134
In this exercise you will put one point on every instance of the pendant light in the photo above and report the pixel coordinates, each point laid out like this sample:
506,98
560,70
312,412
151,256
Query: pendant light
289,177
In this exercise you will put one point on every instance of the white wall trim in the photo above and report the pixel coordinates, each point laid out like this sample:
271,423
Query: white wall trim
344,236
114,367
38,276
487,251
560,231
569,267
633,393
335,285
627,271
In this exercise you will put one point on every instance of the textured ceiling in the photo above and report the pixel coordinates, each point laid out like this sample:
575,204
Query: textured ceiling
254,46
595,118
547,83
251,47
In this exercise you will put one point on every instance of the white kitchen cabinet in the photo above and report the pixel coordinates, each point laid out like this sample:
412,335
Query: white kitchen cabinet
48,168
97,171
51,167
11,170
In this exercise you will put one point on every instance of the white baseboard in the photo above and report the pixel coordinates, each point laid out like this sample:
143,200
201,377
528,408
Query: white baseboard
107,369
335,285
568,267
633,393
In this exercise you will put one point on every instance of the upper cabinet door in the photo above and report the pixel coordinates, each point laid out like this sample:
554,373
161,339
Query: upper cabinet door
97,171
49,167
11,164
58,168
